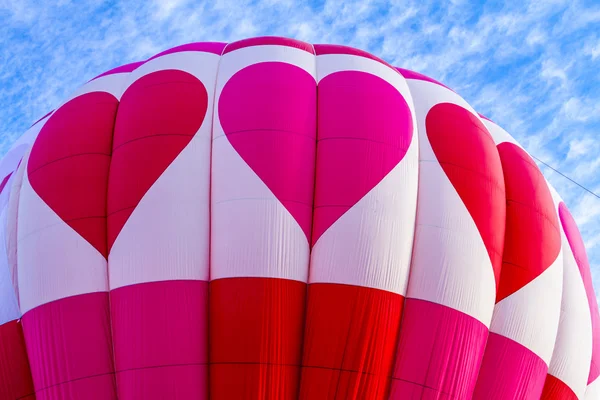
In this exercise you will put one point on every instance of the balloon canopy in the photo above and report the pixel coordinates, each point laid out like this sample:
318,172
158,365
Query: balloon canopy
272,219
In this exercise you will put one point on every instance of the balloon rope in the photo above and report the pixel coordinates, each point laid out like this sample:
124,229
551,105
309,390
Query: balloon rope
565,176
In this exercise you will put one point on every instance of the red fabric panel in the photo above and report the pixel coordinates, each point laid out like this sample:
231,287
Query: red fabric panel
532,232
160,340
509,371
69,163
15,377
70,350
158,116
555,389
256,327
349,341
439,353
467,153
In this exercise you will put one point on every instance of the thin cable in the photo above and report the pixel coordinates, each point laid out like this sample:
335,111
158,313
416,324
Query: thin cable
564,176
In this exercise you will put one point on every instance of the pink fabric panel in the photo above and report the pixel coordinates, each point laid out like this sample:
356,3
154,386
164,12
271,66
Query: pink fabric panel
148,321
268,40
15,377
69,348
578,248
439,353
517,374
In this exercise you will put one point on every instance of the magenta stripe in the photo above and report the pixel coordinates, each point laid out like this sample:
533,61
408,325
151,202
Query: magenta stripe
509,371
439,352
161,339
69,347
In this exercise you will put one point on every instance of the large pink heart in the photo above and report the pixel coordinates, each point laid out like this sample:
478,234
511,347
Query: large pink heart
158,116
268,112
69,163
364,130
467,154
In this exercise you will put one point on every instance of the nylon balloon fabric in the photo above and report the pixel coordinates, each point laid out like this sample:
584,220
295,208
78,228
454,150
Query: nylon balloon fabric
274,219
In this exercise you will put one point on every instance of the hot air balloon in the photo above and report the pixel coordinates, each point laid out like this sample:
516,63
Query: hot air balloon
272,219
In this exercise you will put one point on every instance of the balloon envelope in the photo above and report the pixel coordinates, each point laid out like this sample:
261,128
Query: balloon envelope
272,219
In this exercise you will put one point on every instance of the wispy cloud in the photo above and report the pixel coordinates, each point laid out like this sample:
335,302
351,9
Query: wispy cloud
531,65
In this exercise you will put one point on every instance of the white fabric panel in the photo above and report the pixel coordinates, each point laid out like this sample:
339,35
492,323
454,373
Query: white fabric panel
53,260
11,239
252,233
112,84
573,346
9,306
9,200
573,349
328,64
450,265
530,315
593,390
167,235
498,134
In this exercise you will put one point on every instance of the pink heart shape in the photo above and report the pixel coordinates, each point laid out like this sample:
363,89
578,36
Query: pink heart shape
467,154
268,113
364,130
158,116
69,163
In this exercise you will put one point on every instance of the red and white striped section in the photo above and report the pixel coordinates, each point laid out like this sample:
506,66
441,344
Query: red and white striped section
525,322
456,256
159,225
365,205
62,268
569,366
577,246
263,161
15,375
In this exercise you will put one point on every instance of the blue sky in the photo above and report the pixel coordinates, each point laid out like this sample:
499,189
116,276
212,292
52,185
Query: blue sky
531,66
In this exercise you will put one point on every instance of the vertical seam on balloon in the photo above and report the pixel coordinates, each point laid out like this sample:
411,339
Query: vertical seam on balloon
416,137
110,321
312,224
210,217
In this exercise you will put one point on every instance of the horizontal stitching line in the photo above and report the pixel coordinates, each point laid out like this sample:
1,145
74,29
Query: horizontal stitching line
66,158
